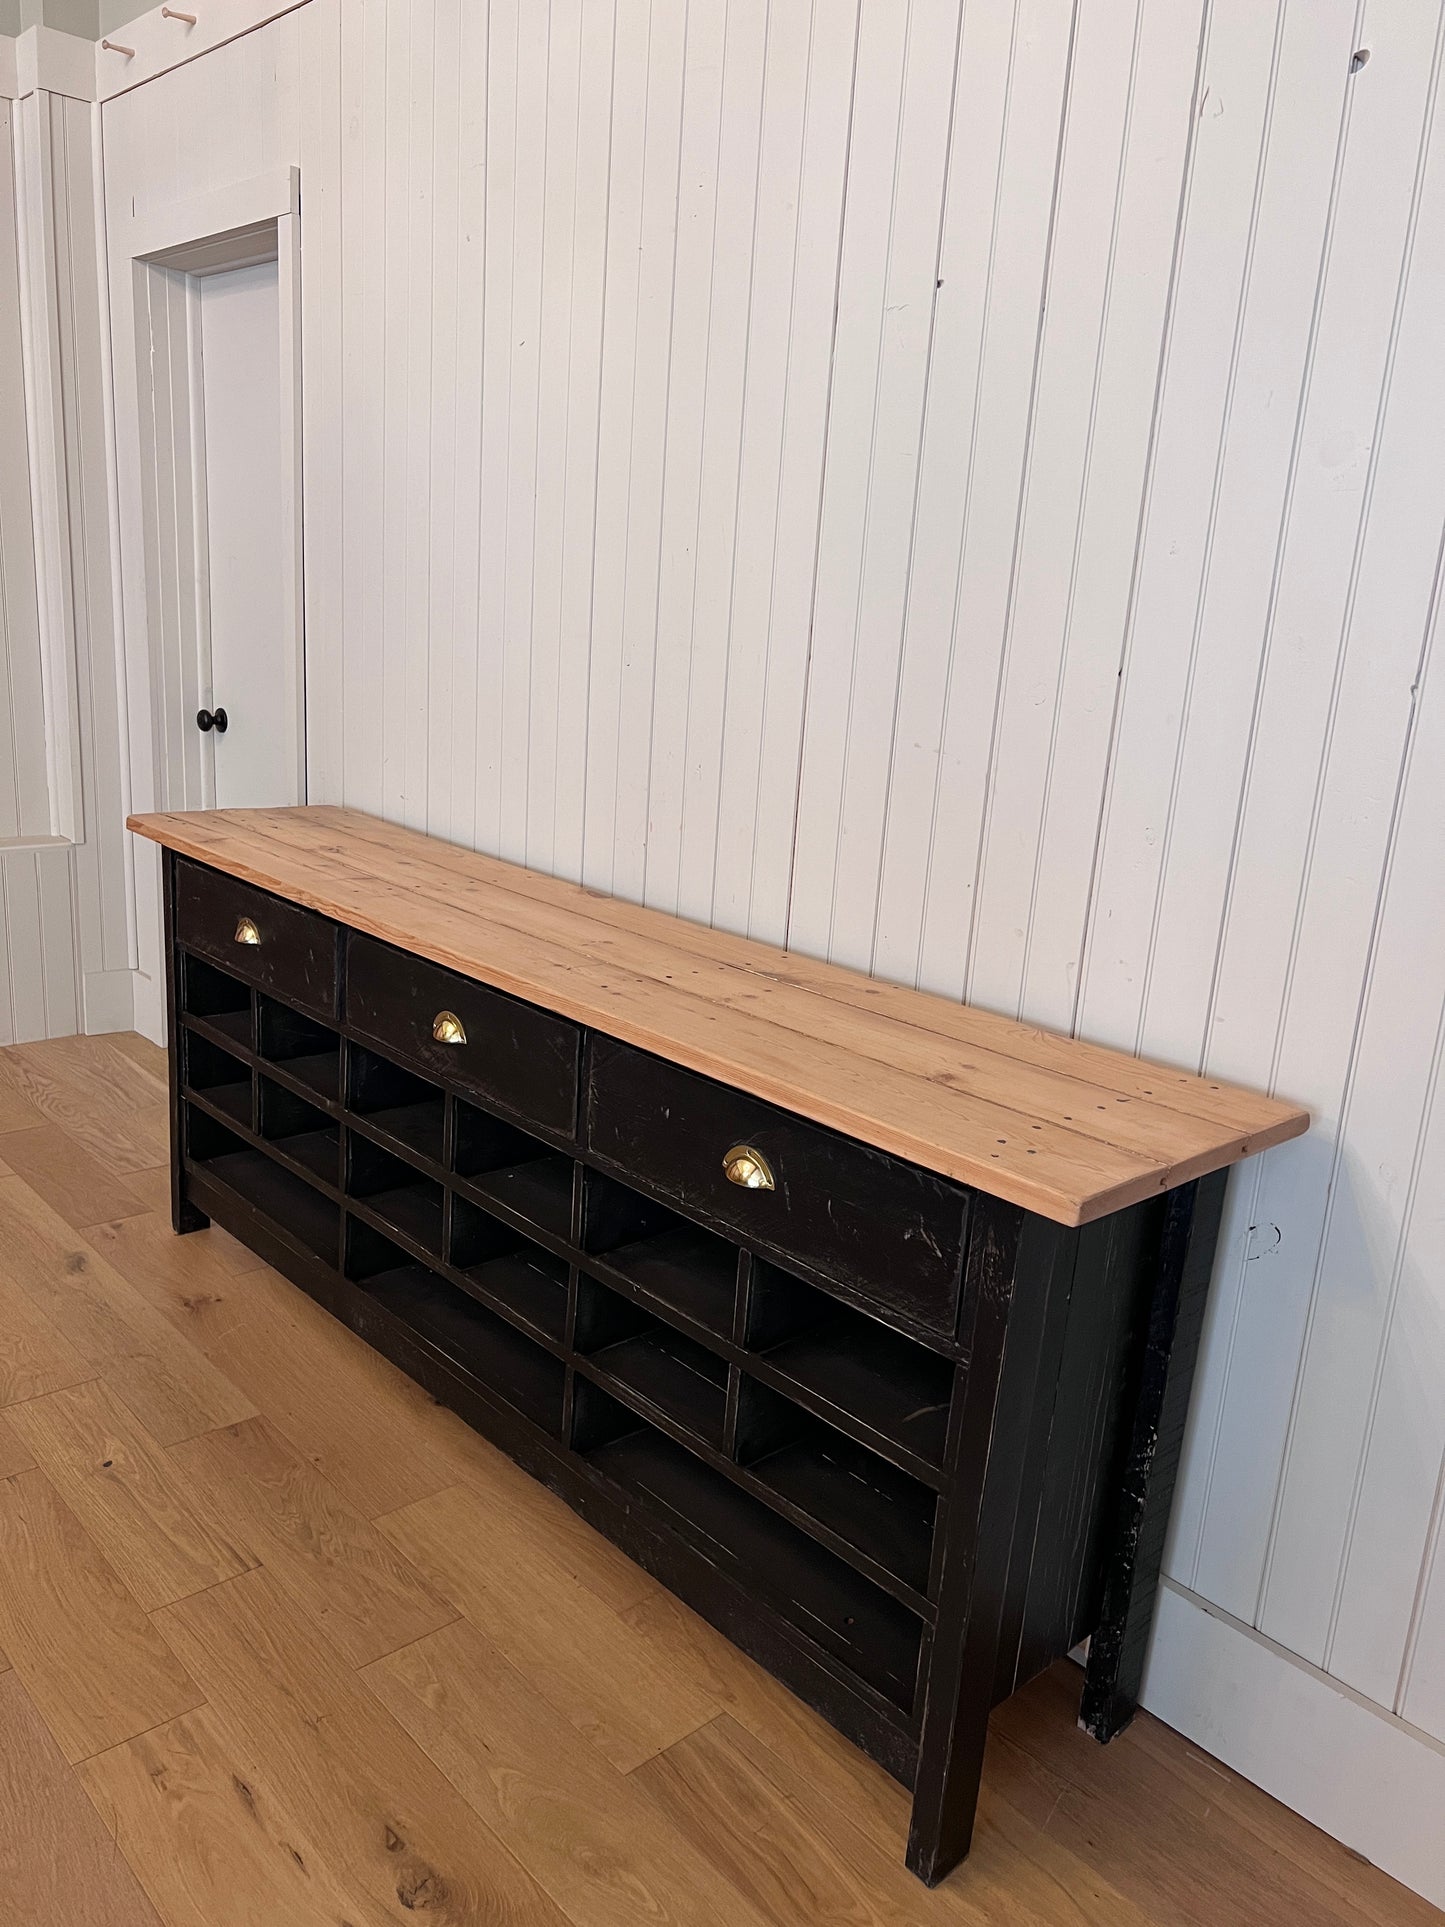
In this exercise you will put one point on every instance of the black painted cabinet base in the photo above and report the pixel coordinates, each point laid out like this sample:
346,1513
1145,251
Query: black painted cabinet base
902,1492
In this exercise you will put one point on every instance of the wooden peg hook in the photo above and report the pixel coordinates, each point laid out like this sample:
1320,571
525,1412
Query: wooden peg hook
171,13
114,47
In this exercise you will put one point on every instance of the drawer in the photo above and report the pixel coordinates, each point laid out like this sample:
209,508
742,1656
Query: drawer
887,1233
512,1054
294,952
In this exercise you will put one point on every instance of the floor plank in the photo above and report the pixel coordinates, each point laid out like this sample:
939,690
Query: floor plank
583,1658
34,1357
203,1830
17,1107
170,1386
58,1865
338,1760
736,1685
709,1789
333,1562
132,1498
100,1097
359,1420
90,1659
185,1279
525,1523
588,1834
15,1454
68,1178
1016,1869
153,1188
151,1058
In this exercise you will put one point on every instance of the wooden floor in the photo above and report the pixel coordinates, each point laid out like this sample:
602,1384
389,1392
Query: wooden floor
281,1642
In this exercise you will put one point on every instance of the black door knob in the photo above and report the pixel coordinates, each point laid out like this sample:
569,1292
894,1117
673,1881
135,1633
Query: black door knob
211,719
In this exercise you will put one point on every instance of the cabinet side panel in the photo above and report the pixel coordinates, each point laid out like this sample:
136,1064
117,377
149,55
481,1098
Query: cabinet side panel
1057,1582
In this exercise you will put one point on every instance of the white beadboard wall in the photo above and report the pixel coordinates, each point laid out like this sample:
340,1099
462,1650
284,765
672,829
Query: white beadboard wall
960,488
66,949
24,786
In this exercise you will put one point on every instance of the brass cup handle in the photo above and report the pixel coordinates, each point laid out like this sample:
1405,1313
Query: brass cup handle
745,1165
447,1028
246,931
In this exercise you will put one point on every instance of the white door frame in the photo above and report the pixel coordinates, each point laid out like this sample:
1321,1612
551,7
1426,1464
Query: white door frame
169,251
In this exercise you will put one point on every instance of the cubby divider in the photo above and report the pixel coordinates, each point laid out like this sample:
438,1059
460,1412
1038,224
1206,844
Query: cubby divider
395,1191
858,1498
828,1486
848,1365
395,1104
654,1361
221,1079
300,1213
467,1336
218,1000
495,1263
299,1132
641,1244
509,1168
874,1635
308,1051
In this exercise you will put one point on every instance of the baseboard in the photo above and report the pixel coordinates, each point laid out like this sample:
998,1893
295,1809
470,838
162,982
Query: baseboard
108,1000
149,1008
1372,1781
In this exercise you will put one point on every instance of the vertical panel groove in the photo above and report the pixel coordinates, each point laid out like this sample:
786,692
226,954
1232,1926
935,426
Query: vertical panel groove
1430,1570
1087,466
822,485
1281,543
918,473
970,943
1128,639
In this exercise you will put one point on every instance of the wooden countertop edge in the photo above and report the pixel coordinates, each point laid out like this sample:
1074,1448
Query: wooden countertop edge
1048,1201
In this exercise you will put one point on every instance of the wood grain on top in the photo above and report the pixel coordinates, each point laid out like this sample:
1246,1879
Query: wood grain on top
1066,1128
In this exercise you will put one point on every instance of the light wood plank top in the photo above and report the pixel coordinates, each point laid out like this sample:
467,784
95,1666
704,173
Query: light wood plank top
1069,1129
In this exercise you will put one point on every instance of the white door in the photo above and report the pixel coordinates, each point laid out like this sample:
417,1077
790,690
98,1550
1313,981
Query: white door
251,676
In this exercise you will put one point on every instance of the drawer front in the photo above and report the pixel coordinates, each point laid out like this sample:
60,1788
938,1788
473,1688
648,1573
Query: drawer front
519,1057
294,952
886,1232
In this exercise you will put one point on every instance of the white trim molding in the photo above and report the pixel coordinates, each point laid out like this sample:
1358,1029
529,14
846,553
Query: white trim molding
54,63
42,60
40,296
174,234
157,262
1368,1778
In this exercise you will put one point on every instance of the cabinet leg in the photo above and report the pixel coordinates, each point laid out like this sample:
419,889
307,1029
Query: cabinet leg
940,1831
1014,1345
1135,1554
186,1216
